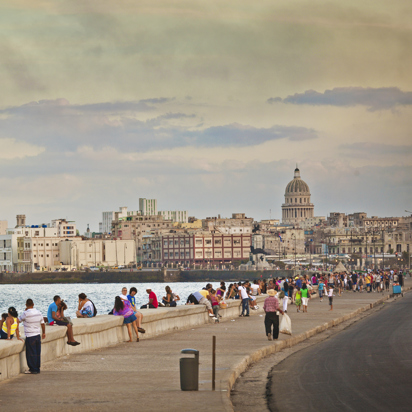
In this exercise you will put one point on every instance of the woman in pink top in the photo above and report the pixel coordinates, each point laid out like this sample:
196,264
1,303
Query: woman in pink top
125,309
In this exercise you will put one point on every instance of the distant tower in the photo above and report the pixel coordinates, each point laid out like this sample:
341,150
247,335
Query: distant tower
21,220
297,206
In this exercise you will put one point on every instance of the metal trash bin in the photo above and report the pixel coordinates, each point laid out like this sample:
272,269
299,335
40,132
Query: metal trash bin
189,371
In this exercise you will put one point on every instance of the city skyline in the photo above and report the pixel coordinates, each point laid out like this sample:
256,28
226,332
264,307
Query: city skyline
205,107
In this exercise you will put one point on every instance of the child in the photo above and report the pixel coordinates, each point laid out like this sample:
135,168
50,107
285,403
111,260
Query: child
215,304
3,319
320,289
330,295
298,299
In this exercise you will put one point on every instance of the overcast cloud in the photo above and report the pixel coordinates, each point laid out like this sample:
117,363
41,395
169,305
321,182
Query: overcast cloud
374,99
104,103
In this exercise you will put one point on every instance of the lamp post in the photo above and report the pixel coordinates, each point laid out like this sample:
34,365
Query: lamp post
125,247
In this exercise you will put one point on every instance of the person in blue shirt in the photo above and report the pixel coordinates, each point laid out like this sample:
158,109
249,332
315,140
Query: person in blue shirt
131,298
54,317
321,289
299,283
285,290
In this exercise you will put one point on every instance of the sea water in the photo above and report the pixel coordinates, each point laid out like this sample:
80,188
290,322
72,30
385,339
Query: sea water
102,294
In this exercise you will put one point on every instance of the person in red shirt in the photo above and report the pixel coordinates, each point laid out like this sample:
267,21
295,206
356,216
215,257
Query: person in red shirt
153,304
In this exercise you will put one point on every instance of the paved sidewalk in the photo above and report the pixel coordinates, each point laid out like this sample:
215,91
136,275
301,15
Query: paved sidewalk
145,375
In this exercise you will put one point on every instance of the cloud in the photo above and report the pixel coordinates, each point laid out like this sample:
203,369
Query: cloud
382,98
61,126
362,149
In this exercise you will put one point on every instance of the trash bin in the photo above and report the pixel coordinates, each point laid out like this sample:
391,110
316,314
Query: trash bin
189,371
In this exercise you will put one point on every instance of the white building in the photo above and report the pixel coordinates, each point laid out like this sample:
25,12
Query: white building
147,206
105,226
180,216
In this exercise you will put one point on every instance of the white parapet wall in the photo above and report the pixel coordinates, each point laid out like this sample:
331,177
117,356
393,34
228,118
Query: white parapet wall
105,330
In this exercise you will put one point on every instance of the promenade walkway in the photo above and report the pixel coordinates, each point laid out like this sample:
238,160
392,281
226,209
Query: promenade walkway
145,375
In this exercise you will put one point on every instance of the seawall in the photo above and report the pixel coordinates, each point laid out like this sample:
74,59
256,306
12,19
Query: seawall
105,330
160,276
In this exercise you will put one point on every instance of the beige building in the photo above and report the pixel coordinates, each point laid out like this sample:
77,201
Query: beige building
237,224
297,206
289,242
3,227
311,222
64,228
97,252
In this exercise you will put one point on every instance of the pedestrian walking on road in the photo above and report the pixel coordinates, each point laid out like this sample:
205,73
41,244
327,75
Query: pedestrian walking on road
330,295
271,307
305,297
285,290
298,299
32,321
321,289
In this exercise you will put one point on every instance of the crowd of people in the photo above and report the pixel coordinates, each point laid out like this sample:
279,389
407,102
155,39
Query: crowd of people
281,293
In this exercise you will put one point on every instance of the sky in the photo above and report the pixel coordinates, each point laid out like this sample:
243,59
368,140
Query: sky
205,106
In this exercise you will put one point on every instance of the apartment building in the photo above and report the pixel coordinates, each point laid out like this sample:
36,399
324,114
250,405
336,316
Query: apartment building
147,207
180,216
64,228
237,224
198,247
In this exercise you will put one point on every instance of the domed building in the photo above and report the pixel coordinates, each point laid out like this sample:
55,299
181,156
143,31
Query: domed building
297,206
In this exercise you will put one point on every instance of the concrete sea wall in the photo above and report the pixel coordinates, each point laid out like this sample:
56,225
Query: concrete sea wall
105,330
167,276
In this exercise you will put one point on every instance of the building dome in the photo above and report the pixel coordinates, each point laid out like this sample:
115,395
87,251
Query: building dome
297,206
297,185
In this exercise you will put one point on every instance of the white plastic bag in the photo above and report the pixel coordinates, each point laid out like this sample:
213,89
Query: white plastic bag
285,325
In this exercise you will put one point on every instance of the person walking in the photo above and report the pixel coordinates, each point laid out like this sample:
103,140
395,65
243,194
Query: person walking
305,297
35,331
285,290
271,308
298,299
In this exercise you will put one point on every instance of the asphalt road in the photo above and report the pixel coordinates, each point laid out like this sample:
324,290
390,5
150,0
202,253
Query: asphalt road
367,367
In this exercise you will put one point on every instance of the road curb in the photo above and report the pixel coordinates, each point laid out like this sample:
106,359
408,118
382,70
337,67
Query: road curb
288,343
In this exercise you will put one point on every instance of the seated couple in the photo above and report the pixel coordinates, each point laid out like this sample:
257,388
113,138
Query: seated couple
125,305
55,316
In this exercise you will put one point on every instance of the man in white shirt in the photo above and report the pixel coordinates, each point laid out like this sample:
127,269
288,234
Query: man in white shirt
33,325
245,299
255,288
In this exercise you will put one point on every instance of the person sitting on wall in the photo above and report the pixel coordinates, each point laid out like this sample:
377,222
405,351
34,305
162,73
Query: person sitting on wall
153,303
86,307
10,325
168,299
131,298
52,318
